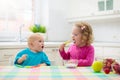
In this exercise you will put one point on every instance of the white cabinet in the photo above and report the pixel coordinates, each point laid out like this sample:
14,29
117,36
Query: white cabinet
78,8
112,52
102,51
7,56
98,52
98,16
8,53
53,55
108,51
88,10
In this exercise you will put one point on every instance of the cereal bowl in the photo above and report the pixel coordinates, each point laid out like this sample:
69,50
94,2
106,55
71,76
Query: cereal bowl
72,63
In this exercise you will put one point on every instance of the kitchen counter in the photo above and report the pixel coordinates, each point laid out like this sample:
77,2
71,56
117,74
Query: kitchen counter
102,50
105,44
52,44
24,44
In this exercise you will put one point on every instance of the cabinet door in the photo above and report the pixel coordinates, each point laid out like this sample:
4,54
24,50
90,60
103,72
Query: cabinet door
112,52
54,56
6,55
98,53
80,8
4,63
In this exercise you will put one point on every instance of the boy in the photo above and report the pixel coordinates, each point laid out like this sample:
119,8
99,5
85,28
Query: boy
33,55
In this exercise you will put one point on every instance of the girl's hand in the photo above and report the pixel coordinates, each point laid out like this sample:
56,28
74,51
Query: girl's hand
67,42
61,48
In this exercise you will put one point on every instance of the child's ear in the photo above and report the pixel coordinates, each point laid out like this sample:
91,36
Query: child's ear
31,44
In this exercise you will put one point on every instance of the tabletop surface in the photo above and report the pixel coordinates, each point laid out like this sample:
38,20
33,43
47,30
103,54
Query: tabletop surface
53,73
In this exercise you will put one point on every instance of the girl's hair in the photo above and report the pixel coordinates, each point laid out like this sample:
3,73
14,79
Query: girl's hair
86,31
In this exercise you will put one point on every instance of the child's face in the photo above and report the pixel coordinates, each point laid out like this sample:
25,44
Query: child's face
38,44
76,36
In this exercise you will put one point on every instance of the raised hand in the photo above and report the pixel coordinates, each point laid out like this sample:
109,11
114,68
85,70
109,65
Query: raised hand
61,48
24,57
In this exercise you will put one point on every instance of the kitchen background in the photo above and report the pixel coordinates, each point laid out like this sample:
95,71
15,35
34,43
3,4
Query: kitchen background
58,16
64,12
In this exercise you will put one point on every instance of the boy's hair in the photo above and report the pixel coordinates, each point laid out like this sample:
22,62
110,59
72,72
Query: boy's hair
86,31
33,37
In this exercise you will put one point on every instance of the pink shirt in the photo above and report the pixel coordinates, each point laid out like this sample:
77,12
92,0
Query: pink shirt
85,54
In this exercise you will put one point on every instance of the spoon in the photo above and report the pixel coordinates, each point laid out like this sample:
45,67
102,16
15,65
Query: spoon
67,42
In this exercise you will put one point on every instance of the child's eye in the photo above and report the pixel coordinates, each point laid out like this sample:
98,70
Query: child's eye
74,34
40,41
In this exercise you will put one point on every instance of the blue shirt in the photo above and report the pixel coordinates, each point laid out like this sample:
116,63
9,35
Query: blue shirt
33,58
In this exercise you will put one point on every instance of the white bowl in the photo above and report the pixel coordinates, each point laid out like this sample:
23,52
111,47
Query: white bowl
70,63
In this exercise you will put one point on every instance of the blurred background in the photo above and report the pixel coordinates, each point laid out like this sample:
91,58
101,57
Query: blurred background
58,16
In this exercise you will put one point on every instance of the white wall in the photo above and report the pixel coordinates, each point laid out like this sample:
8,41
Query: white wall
59,29
56,13
81,7
104,30
53,14
41,12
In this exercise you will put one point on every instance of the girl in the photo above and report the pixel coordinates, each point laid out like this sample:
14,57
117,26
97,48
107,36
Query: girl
81,49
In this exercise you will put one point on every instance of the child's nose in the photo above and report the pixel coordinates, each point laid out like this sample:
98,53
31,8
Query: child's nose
72,36
42,43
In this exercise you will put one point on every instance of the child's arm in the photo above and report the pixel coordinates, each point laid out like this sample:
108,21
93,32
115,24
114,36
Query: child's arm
46,61
64,55
61,48
43,64
20,60
88,60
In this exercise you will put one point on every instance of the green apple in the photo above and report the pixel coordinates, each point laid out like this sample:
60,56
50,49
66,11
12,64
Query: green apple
97,66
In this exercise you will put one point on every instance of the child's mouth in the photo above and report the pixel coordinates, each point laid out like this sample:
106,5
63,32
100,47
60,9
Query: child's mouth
42,46
74,41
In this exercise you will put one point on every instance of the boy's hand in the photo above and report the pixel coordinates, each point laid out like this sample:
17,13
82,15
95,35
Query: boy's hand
43,64
24,57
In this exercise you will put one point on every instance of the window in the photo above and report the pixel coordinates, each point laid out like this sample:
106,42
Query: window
105,5
15,18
